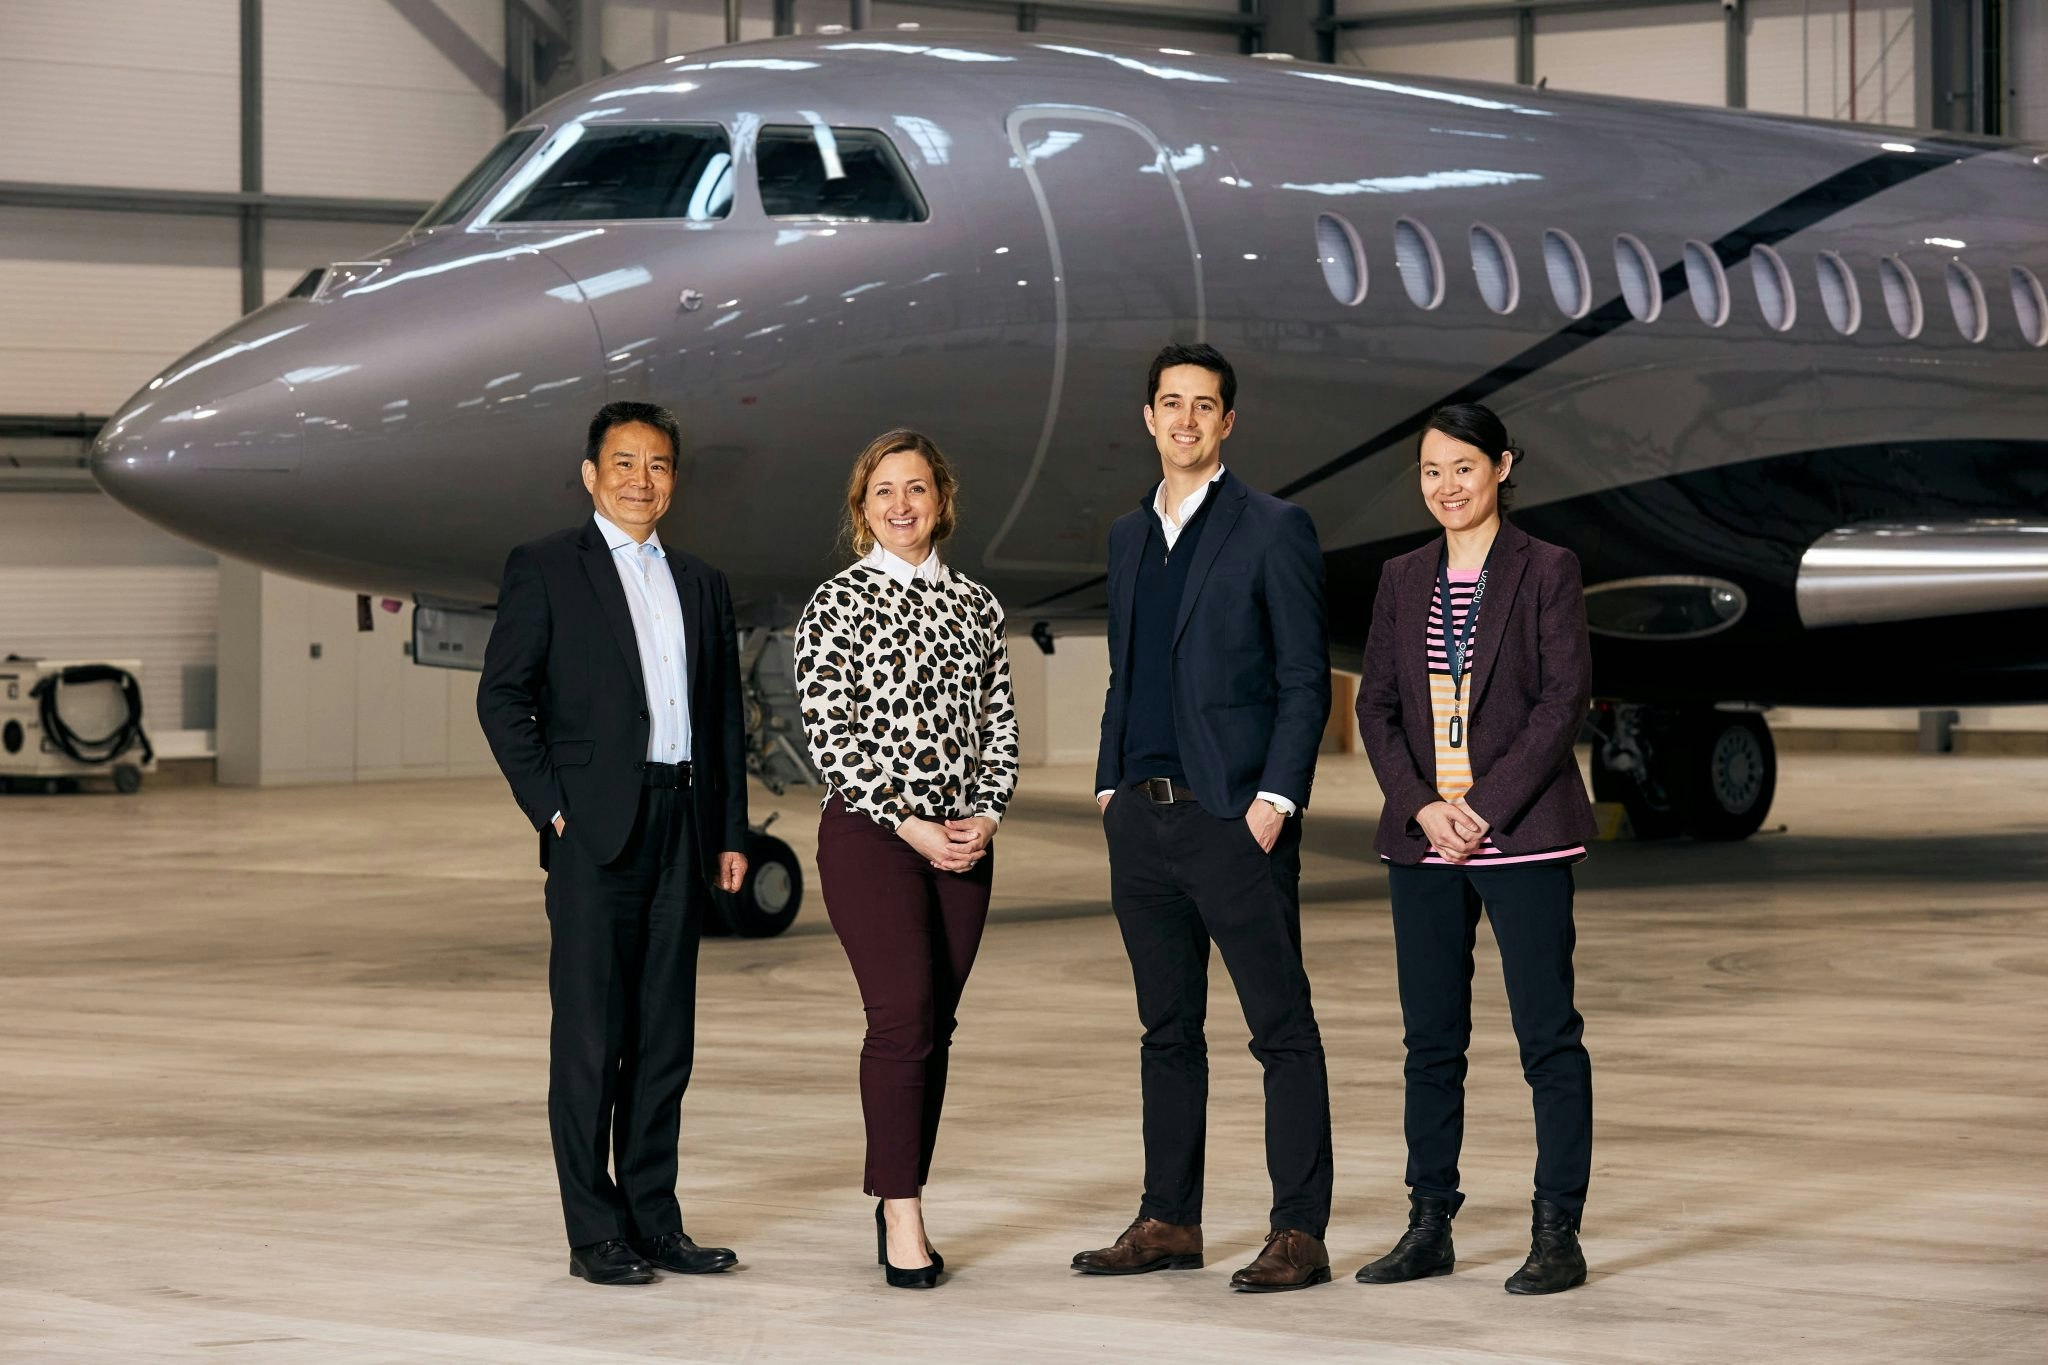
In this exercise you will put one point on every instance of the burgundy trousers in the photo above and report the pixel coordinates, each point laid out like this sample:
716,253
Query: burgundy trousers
911,932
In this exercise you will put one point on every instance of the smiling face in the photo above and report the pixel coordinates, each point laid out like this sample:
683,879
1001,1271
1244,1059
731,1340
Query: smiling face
902,505
633,478
1187,420
1460,482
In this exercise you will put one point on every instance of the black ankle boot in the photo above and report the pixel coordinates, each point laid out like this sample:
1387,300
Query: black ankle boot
1424,1250
1555,1262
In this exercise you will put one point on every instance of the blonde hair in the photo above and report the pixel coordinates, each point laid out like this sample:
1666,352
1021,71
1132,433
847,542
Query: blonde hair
855,533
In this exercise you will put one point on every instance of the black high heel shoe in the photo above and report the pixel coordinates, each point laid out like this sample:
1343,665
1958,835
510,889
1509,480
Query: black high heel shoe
918,1277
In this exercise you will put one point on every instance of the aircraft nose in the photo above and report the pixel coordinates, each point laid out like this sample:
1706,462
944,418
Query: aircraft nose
173,453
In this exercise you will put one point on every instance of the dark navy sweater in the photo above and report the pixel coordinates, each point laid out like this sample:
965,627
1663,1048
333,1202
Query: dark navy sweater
1151,748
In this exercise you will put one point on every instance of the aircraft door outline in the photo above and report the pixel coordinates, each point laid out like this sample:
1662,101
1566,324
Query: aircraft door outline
1014,126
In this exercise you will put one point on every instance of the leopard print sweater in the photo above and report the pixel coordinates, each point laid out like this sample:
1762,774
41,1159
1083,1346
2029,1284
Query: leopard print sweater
906,695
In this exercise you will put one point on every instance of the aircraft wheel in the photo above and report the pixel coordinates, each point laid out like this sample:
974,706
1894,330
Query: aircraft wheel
1730,776
771,895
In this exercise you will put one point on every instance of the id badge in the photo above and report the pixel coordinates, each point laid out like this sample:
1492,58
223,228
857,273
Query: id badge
1456,732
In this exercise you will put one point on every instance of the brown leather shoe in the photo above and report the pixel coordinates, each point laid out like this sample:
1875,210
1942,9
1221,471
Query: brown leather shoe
1292,1260
1147,1244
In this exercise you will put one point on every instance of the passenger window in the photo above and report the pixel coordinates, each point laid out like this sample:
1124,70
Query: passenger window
609,171
843,174
464,196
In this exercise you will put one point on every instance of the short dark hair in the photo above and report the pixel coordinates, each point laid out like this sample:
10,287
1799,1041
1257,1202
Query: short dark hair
1200,354
620,413
1478,426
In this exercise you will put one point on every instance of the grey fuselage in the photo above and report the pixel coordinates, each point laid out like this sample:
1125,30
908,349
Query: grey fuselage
1089,202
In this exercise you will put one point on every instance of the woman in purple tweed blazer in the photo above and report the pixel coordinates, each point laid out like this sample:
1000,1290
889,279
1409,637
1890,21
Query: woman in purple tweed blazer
1477,676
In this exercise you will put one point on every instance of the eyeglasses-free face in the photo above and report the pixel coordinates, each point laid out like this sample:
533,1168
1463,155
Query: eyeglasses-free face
634,478
1460,482
1187,420
902,505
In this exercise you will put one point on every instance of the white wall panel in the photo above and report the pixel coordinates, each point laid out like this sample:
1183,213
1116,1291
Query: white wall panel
652,29
96,303
945,20
1670,53
162,617
82,577
121,92
2027,46
1799,59
1471,49
357,102
1350,8
361,711
1078,32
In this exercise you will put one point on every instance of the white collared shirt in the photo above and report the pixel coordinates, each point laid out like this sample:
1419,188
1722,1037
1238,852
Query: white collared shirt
901,569
1189,505
657,613
1171,529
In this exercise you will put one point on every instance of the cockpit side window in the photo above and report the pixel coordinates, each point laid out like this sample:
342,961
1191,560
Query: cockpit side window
841,174
488,172
613,172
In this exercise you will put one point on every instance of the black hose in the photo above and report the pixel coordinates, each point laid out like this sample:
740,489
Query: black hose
106,749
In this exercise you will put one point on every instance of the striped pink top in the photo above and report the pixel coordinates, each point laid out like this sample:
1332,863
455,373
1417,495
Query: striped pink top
1454,765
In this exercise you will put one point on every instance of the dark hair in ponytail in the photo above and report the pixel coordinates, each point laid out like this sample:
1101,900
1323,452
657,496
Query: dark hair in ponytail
1476,425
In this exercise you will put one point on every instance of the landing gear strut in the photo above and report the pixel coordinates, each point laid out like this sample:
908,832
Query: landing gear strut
768,900
1693,770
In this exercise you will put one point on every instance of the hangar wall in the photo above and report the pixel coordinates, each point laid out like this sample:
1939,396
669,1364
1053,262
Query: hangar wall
387,103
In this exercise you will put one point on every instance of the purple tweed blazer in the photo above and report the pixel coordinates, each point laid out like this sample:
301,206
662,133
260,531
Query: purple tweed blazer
1527,694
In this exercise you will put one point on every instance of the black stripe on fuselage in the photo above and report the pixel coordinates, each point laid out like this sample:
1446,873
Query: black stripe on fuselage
1843,190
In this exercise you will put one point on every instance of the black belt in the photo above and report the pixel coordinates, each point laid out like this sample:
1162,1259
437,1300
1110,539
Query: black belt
668,776
1164,791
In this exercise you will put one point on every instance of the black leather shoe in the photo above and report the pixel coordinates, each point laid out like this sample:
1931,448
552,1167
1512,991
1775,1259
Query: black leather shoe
917,1277
1555,1262
610,1262
675,1251
1424,1250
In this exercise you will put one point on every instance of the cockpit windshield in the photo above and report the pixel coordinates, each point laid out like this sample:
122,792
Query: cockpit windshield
488,172
612,172
841,174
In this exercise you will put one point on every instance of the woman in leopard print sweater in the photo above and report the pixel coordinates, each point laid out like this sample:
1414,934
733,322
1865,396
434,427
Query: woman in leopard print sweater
905,681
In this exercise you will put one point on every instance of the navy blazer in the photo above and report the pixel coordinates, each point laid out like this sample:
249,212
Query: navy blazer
1532,677
565,709
1251,653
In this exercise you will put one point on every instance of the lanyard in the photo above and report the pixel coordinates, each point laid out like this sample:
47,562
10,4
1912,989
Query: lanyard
1458,641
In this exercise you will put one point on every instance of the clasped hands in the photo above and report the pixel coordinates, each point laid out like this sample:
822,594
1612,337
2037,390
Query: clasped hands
1453,828
951,845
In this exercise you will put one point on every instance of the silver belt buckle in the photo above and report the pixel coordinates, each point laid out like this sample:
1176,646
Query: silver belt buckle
1154,786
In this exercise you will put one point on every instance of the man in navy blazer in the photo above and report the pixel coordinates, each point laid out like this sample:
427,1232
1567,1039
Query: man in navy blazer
1219,691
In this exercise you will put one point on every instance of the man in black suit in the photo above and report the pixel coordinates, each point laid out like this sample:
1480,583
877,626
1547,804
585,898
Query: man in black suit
611,699
1219,689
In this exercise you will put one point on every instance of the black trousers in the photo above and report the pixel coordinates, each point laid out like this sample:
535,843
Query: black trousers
1179,879
1436,919
622,976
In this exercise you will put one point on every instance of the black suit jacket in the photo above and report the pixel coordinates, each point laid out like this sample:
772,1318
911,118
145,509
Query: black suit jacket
1251,653
564,706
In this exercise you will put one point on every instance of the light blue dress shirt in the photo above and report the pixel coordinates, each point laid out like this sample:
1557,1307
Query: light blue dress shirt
658,631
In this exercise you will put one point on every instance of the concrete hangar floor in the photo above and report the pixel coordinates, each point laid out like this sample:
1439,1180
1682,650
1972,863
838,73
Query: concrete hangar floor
272,1075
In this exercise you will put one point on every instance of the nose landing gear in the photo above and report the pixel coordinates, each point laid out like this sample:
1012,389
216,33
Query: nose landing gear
1693,770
